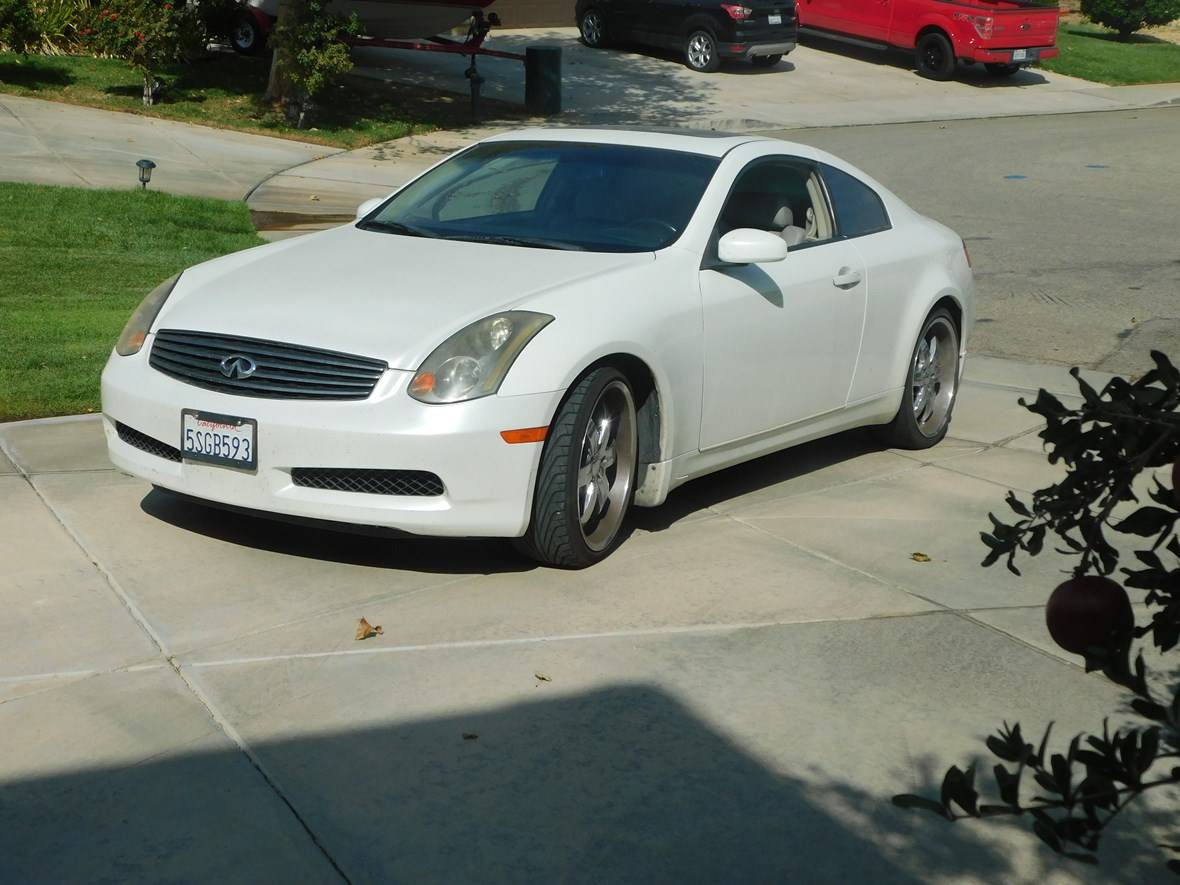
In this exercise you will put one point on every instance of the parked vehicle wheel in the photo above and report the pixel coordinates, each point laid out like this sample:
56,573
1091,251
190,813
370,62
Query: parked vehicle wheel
935,57
587,475
246,36
1000,70
766,61
931,386
593,29
700,52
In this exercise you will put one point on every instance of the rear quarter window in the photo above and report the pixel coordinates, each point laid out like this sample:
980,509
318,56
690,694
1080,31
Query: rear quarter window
857,207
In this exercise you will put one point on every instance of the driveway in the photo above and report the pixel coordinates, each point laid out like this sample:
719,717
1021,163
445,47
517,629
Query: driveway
733,696
821,83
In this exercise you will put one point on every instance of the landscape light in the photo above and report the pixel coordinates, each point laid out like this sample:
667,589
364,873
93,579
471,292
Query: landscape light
145,171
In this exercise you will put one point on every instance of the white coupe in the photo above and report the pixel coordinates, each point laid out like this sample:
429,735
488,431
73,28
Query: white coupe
545,328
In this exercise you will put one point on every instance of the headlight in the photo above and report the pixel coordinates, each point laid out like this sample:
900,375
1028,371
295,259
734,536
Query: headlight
137,328
473,362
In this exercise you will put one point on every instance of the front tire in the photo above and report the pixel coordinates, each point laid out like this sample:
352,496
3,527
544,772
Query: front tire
592,27
700,52
931,386
934,56
587,475
766,61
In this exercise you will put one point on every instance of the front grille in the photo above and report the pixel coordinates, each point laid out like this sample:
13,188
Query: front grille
284,371
146,443
418,483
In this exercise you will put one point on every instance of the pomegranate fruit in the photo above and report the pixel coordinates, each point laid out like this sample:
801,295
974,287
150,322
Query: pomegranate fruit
1088,611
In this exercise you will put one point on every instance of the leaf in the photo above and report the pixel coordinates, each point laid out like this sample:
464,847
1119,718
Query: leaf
959,787
919,557
909,800
1047,834
1017,505
1146,521
364,630
470,736
544,677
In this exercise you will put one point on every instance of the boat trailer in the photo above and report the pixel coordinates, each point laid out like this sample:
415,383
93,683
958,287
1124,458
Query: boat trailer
477,31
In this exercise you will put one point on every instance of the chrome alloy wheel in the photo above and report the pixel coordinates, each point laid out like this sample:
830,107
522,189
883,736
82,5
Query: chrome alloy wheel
700,51
592,28
606,465
933,376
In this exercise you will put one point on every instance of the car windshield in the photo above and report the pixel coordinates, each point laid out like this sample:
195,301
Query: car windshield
555,195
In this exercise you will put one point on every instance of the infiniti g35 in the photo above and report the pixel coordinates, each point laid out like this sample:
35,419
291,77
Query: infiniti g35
546,328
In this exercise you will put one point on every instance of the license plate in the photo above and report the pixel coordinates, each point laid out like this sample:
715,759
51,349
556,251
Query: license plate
218,439
775,19
1023,54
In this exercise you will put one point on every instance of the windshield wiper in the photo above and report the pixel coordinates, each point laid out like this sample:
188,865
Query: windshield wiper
516,241
394,227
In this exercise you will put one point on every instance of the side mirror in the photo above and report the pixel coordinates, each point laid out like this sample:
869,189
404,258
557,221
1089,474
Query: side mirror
749,246
368,206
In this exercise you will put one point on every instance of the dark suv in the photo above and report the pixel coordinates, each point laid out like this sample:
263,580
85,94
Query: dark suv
705,31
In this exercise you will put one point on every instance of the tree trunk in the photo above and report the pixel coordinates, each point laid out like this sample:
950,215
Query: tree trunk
149,92
278,88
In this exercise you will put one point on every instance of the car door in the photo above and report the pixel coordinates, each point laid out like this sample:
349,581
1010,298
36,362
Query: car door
780,339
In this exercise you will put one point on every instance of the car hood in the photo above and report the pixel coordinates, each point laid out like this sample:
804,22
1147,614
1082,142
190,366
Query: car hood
372,294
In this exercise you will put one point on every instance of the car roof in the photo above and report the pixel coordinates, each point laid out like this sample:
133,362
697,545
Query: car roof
694,141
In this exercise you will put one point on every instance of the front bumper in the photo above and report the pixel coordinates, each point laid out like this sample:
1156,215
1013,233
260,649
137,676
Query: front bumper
748,50
488,484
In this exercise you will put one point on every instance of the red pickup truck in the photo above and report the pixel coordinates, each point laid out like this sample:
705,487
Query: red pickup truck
1003,34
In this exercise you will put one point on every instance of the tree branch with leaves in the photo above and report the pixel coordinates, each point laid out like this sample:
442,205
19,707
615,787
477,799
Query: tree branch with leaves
1106,444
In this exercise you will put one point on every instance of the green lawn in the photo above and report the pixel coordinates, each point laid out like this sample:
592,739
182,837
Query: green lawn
225,91
73,265
1094,53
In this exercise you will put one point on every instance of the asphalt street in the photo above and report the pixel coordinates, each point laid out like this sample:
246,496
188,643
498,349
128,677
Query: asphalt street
1071,221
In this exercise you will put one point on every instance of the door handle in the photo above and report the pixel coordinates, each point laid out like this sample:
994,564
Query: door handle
846,278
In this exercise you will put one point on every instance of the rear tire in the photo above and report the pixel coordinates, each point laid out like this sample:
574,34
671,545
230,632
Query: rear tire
766,61
934,56
587,475
931,386
592,27
1001,70
700,52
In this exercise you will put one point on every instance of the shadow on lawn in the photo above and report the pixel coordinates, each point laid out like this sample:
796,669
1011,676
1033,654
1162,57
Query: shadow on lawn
619,784
34,74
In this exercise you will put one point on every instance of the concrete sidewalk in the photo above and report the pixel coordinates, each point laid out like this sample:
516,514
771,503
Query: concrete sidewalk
52,143
732,696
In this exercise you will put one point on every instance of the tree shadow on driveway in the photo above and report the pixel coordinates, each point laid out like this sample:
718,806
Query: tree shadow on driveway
619,784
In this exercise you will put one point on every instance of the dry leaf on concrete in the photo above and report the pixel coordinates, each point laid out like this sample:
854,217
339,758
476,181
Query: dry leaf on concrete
919,557
470,736
543,677
364,629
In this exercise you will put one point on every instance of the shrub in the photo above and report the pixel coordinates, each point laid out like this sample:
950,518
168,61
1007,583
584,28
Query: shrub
18,26
1128,16
147,34
311,55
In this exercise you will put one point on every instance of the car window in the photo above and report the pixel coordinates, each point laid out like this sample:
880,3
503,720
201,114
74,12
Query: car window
513,185
858,209
783,196
559,195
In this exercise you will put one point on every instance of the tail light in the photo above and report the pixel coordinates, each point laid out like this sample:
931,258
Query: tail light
737,13
981,23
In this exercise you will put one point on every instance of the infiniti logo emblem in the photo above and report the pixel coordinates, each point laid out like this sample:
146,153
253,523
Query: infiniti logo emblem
238,366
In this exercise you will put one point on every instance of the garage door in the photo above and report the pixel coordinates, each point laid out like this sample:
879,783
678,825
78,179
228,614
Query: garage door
535,13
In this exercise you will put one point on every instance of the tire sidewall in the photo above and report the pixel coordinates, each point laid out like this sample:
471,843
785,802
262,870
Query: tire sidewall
904,431
714,59
947,70
590,388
